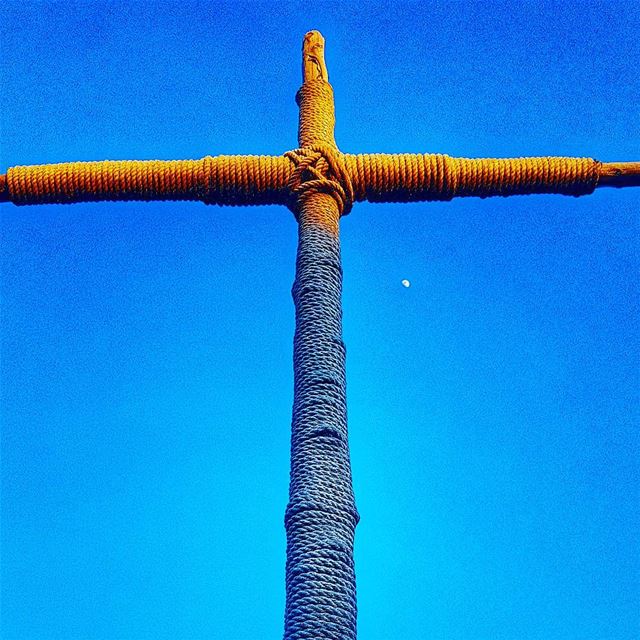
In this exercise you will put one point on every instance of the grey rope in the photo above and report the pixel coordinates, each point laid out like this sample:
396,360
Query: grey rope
321,516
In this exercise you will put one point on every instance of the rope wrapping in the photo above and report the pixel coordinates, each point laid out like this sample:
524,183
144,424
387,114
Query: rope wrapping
409,177
317,119
321,516
224,180
254,180
320,168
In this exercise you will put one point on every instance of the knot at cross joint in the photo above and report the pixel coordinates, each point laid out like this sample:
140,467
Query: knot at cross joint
319,168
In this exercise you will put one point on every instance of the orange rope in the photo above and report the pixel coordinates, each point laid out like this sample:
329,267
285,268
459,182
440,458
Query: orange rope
410,177
316,167
244,180
234,180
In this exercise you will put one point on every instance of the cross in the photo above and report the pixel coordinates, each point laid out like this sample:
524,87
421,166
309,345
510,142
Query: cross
319,184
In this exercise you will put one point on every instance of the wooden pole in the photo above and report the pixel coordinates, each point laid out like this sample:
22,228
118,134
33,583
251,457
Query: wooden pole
313,64
619,174
612,174
321,517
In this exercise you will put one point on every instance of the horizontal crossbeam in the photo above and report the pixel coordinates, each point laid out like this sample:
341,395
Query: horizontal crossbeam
254,180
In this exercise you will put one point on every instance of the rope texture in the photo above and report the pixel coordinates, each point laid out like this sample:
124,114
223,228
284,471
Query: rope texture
228,180
317,114
252,180
321,516
320,168
410,177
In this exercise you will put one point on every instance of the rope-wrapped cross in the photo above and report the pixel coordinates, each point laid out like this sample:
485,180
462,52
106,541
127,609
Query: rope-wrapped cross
318,183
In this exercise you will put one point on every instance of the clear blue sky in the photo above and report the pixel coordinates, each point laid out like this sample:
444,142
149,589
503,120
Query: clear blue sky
146,348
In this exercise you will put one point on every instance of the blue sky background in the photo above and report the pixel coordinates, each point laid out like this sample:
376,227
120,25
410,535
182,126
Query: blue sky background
146,348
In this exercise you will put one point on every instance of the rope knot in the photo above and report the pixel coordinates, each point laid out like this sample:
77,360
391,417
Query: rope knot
320,168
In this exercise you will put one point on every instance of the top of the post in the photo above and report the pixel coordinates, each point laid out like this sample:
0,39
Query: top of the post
313,66
315,96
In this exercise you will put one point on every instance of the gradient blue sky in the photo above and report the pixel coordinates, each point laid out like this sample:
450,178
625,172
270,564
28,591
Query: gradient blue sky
146,348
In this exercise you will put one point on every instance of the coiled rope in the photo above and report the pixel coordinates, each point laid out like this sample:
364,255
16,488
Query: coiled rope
224,180
321,516
255,180
408,177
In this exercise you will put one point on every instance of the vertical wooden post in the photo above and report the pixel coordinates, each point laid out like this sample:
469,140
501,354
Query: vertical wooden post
321,515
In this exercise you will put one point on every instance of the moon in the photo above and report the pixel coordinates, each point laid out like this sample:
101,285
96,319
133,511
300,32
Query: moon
406,284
